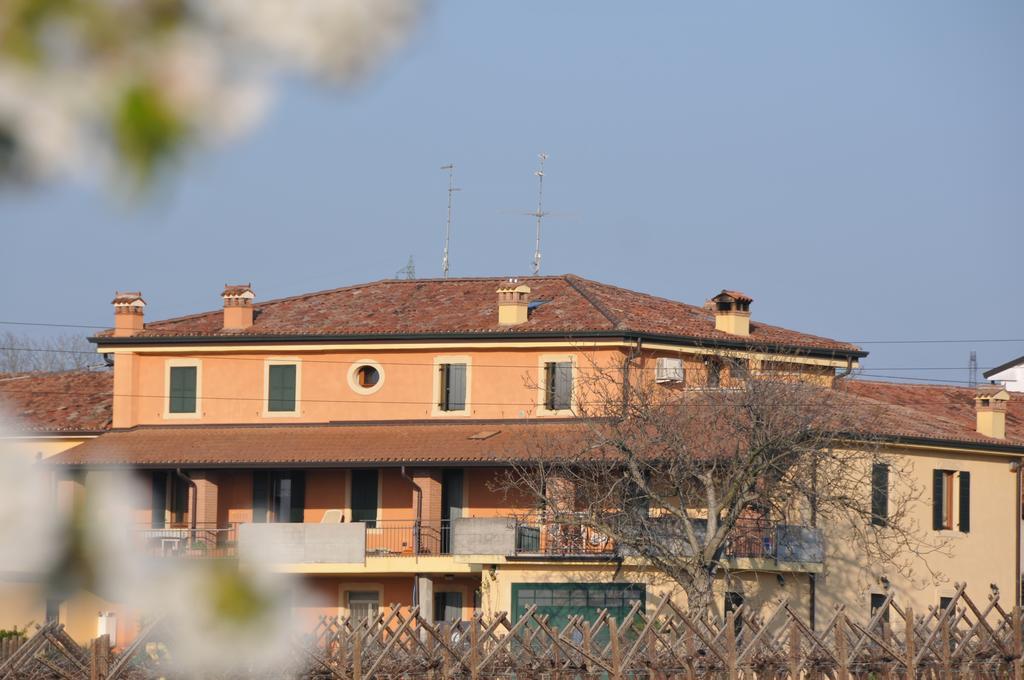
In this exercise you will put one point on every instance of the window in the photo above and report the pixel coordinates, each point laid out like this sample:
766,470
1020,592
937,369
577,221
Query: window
447,607
167,486
281,383
363,604
944,603
943,483
367,376
713,371
733,601
880,494
364,497
278,496
877,602
182,392
52,610
453,387
558,385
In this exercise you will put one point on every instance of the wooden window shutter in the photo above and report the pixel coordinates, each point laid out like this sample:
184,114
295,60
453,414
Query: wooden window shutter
938,491
456,397
159,500
182,397
880,494
549,385
281,392
562,398
260,495
298,506
442,397
965,502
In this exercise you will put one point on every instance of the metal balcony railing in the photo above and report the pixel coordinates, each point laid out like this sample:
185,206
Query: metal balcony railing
206,540
540,537
398,538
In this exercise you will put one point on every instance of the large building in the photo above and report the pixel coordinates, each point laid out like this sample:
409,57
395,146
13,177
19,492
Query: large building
357,437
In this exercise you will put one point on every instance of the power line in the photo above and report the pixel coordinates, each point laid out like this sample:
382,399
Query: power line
533,404
225,357
854,342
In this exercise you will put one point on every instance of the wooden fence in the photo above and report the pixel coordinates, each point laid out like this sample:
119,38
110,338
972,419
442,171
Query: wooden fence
964,640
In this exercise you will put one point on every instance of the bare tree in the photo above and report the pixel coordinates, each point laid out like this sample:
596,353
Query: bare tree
24,353
687,474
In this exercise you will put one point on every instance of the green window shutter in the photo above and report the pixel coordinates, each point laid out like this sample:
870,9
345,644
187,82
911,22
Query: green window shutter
364,497
281,392
260,495
298,509
159,500
880,494
938,489
455,387
965,502
182,398
549,386
561,392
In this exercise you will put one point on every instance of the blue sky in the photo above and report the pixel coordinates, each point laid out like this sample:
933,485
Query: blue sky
855,167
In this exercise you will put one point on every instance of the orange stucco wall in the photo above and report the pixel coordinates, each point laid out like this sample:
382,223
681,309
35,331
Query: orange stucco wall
232,386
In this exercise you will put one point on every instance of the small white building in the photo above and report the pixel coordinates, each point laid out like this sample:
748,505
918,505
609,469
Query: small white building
1010,375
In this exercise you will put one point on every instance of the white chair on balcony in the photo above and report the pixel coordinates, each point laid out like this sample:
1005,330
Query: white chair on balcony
332,517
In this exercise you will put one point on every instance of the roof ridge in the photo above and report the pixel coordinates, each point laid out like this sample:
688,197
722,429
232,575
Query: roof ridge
576,283
354,286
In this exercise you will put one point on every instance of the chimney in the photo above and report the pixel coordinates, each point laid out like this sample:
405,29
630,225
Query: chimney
990,405
128,310
238,307
513,301
732,312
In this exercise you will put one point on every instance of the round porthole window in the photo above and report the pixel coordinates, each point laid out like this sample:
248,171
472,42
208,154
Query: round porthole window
366,376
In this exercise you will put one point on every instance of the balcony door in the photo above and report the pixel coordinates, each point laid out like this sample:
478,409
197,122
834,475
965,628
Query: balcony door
169,499
278,496
451,504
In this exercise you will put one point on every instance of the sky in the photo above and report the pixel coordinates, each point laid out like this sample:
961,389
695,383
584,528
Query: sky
857,168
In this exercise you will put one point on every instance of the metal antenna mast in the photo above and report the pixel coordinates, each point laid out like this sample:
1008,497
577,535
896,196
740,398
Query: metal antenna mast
539,214
448,225
972,369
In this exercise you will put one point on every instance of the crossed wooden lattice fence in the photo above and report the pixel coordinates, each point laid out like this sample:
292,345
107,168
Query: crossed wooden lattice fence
964,639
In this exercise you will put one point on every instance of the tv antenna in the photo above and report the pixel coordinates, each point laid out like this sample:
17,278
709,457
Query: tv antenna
448,225
972,369
408,271
539,214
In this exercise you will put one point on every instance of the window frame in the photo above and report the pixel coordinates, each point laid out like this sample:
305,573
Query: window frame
353,377
182,363
542,384
282,361
440,362
345,608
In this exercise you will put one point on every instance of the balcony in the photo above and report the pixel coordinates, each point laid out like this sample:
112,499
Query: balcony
751,539
205,541
502,537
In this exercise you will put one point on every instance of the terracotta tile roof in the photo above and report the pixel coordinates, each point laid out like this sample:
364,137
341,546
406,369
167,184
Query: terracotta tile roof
930,412
385,443
573,305
41,403
941,412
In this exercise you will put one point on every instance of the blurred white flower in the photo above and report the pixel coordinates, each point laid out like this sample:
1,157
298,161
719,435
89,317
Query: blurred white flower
100,85
205,606
30,530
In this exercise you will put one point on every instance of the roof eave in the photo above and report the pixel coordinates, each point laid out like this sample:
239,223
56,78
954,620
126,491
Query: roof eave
807,350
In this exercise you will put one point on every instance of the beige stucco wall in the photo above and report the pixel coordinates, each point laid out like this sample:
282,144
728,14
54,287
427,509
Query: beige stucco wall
986,555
